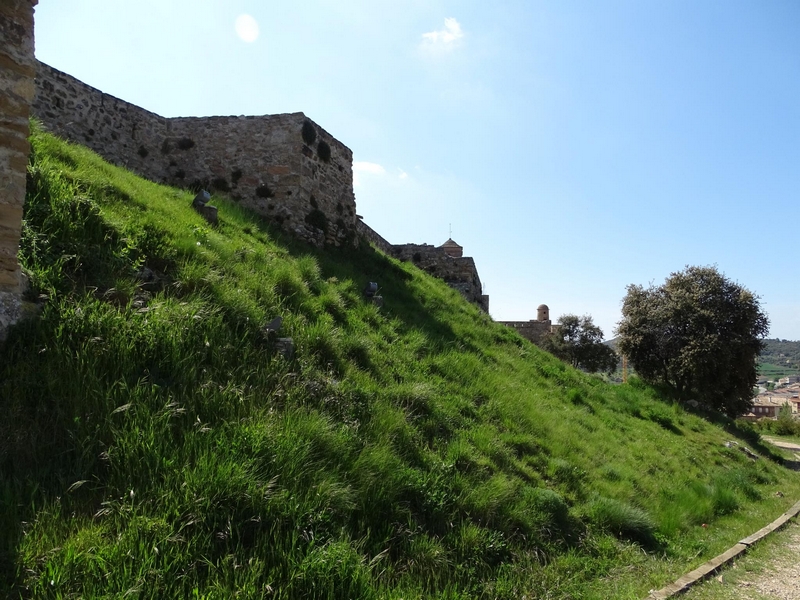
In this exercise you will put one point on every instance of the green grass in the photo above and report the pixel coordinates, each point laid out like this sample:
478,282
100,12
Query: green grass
775,372
155,445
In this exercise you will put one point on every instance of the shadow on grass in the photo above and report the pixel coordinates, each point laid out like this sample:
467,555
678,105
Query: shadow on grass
364,264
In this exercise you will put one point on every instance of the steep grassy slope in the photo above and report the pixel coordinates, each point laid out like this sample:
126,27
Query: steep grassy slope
154,445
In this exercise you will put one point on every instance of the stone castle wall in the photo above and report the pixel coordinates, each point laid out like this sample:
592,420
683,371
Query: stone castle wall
115,129
532,331
365,232
459,273
284,167
17,70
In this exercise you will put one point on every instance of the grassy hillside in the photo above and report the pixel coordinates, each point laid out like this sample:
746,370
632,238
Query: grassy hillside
154,445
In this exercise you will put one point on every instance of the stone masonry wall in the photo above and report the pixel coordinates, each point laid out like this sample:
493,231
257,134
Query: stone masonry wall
366,232
119,131
267,165
17,70
284,167
458,273
531,330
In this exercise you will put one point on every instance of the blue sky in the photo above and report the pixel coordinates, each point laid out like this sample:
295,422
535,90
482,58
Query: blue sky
573,147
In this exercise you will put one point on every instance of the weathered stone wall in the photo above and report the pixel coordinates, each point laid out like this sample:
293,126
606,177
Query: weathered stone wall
17,70
458,273
368,233
530,330
284,167
266,164
122,133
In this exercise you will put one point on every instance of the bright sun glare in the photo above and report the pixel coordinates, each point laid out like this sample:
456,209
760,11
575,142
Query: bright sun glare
246,28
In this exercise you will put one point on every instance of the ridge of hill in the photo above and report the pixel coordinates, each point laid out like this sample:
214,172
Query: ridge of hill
155,444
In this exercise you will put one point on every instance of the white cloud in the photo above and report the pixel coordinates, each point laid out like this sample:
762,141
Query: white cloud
246,28
368,167
401,174
365,168
444,39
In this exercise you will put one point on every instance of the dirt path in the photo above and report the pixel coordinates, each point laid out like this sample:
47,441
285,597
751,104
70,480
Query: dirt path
781,444
770,573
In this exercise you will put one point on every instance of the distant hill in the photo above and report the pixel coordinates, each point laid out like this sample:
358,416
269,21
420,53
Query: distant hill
779,358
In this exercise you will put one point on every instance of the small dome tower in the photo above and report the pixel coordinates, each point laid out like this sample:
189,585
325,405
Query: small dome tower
452,249
543,313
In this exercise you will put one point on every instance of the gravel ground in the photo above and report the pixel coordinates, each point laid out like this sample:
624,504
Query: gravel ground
774,574
781,579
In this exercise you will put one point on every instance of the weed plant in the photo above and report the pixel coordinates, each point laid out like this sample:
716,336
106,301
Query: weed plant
155,445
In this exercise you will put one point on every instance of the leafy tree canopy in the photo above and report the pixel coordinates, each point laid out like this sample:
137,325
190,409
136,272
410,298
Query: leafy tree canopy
578,341
698,333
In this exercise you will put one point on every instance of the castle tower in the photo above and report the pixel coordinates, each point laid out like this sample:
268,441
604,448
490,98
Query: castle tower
452,249
543,313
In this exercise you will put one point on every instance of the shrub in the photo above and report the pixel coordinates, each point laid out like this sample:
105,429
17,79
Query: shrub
785,424
309,132
316,218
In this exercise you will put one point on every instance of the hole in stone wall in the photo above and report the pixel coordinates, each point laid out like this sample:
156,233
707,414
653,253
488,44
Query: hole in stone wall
339,208
220,183
142,152
91,132
263,191
236,175
324,151
185,143
166,147
313,202
180,173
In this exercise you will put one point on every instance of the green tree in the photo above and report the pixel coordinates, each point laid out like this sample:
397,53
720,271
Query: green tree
785,423
578,341
699,333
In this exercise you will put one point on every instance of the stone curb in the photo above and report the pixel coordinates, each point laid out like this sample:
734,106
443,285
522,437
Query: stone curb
703,571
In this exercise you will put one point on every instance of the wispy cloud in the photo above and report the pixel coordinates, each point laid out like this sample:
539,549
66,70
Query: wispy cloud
365,168
444,39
